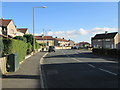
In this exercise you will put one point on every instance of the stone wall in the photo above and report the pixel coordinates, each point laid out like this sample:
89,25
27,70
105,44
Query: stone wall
3,65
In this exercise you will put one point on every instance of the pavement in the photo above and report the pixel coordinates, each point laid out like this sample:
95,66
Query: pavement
78,69
28,75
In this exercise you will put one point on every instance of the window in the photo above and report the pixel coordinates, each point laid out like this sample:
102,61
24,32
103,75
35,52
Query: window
112,46
107,45
99,40
107,39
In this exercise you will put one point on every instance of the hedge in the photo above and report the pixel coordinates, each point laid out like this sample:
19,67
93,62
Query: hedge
37,46
107,52
12,46
1,46
29,48
20,38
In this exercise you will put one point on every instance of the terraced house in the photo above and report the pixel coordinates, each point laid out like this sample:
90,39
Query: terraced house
106,40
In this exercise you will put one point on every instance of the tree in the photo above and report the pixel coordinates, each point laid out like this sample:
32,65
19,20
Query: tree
29,38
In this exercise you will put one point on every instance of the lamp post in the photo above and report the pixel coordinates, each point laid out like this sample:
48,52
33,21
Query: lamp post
34,26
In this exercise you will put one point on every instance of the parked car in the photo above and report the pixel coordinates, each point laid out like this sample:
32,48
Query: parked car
51,49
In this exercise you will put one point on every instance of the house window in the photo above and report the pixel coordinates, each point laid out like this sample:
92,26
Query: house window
107,39
112,46
107,45
99,40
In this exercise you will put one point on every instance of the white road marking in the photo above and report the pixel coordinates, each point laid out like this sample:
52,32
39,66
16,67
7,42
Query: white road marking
107,71
41,75
41,60
71,58
91,65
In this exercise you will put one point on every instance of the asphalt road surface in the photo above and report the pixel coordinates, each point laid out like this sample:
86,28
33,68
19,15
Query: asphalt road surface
78,69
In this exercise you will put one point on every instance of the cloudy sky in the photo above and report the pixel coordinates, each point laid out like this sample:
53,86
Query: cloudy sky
78,21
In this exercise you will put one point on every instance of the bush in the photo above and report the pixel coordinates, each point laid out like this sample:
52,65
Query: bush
37,46
42,44
20,38
29,48
12,46
107,52
1,46
29,38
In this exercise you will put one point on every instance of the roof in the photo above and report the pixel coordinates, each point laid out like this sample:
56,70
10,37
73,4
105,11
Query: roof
5,22
83,43
105,36
45,38
23,30
59,39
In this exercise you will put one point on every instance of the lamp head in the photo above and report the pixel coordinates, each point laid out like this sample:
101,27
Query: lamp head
43,6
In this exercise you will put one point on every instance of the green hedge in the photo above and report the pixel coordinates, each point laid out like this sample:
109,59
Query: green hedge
1,46
37,46
29,48
15,46
107,52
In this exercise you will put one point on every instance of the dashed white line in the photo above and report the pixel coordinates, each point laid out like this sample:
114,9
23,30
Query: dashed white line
107,71
72,58
91,65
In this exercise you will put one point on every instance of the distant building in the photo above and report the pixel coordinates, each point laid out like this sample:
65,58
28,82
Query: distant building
62,42
71,43
106,40
83,45
48,40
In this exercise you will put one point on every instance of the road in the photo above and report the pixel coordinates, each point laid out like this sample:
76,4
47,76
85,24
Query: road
78,69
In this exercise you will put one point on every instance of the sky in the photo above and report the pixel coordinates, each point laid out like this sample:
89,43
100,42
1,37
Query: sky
78,21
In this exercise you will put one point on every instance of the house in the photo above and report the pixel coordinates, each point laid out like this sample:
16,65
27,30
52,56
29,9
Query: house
71,43
62,42
83,44
49,40
8,29
106,40
22,31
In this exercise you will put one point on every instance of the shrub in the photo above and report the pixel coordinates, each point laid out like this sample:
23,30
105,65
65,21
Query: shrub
37,46
29,38
106,52
1,46
29,48
20,38
12,46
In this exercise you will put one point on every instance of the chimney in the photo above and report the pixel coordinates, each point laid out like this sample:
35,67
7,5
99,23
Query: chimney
106,32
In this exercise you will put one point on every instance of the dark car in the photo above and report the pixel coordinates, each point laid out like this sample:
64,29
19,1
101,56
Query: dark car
51,49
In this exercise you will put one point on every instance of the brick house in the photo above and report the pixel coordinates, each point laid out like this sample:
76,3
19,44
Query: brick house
106,40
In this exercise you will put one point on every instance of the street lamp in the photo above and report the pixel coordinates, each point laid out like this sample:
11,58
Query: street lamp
34,25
